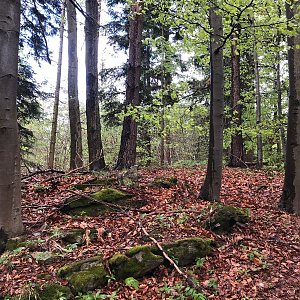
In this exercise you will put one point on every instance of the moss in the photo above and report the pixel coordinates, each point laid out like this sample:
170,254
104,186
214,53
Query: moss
82,265
53,291
141,262
88,280
109,195
186,251
134,250
165,182
224,218
19,242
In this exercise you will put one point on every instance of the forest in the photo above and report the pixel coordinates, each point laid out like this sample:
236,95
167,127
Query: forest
171,171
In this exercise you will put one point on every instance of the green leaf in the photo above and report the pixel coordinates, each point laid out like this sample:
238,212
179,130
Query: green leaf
130,281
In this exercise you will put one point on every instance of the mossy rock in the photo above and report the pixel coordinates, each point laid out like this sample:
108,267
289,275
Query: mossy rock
81,206
81,265
186,251
165,182
52,291
85,275
18,242
224,218
96,182
46,257
88,280
76,236
136,262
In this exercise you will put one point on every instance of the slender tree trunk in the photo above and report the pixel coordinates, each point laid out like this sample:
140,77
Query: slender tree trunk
279,108
259,149
57,89
127,153
10,183
237,148
74,111
162,135
96,155
290,199
212,184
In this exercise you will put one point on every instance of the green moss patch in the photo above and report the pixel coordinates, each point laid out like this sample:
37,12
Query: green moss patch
186,251
53,291
138,262
81,206
224,218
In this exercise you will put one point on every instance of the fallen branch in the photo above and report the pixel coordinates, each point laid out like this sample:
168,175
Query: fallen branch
42,172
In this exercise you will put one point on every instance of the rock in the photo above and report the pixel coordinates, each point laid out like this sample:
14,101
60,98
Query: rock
186,251
85,275
18,242
46,257
96,182
76,236
224,218
136,262
165,182
52,291
81,206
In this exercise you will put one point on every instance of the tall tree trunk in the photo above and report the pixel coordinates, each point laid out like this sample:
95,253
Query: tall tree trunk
279,105
290,199
212,184
96,155
259,148
57,89
74,111
10,183
127,152
237,148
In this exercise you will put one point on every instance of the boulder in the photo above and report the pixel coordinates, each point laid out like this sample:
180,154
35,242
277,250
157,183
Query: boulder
82,206
165,182
52,291
46,257
225,217
186,251
85,275
76,236
136,262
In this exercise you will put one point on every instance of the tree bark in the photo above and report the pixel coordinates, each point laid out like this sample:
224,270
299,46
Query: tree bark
74,111
96,154
127,152
237,149
10,183
57,89
212,183
290,199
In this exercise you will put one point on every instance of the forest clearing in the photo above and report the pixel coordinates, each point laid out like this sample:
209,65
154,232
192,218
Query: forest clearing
149,149
258,260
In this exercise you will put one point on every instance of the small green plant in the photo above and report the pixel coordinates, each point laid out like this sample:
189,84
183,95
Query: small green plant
70,248
213,284
41,188
132,282
199,262
55,232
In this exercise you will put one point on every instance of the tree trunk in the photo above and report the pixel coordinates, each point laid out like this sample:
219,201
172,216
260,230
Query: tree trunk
212,184
259,149
74,111
57,89
127,152
10,183
290,199
96,155
237,148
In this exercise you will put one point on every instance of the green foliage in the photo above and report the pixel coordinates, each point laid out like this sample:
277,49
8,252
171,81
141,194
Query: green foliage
132,282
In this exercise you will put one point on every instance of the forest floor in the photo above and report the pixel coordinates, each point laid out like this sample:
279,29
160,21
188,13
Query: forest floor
259,260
